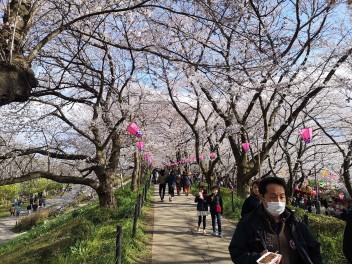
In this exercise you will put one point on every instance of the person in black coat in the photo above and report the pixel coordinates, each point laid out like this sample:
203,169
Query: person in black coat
273,228
347,238
171,182
202,208
252,201
214,201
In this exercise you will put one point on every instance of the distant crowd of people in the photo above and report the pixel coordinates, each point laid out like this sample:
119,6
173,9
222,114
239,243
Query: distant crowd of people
34,203
329,206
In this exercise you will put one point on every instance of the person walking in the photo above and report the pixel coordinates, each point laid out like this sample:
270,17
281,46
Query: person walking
252,201
215,203
202,208
178,183
273,228
171,182
162,184
187,182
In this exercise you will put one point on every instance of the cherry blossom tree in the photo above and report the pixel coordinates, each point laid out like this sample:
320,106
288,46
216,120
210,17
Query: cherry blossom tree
29,25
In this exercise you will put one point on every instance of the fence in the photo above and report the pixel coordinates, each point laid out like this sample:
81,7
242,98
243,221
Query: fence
141,198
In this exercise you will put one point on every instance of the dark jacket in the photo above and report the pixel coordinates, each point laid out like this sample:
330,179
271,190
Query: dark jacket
250,238
202,204
187,180
347,238
250,204
214,202
171,180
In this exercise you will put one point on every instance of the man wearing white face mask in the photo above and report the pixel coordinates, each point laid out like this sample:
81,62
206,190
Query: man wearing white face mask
273,227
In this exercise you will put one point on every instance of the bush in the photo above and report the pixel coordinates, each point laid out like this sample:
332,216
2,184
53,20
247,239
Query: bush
81,229
27,222
97,216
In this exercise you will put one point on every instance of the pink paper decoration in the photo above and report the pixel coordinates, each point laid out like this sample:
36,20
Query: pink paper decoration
134,130
296,188
147,156
201,157
341,196
140,145
212,156
245,147
306,134
314,192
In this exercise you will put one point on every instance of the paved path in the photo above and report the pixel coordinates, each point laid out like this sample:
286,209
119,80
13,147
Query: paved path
8,223
5,228
175,239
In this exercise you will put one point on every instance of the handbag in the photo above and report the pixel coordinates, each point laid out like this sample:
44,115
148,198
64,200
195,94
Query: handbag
218,208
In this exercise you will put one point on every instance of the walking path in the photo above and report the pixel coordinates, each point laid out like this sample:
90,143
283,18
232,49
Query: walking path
175,239
8,223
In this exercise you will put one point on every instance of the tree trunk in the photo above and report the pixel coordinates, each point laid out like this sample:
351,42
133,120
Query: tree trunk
16,83
106,193
135,173
16,76
242,186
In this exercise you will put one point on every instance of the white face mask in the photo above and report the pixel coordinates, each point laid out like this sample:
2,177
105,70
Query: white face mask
275,208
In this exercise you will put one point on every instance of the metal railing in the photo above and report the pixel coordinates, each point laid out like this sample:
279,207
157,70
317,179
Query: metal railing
141,198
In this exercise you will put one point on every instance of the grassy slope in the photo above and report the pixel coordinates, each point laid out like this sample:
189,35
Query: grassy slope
87,235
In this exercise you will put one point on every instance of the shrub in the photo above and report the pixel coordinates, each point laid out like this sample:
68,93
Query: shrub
27,222
81,229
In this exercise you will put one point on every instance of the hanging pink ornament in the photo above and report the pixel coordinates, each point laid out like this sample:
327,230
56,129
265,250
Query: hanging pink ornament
212,156
306,134
201,157
341,196
245,147
147,156
140,145
134,130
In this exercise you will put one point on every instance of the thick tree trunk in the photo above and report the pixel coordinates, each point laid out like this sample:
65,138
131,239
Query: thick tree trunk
242,186
16,83
16,76
106,194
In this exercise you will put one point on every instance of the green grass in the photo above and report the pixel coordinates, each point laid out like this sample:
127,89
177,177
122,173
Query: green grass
4,211
87,235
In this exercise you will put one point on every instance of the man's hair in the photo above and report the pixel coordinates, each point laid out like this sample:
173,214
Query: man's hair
214,188
271,180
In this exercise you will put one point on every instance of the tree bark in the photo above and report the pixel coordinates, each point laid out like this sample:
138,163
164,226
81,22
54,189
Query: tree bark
135,173
106,193
16,76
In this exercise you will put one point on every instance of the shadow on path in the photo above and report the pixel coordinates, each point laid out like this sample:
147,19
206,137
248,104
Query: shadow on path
175,239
